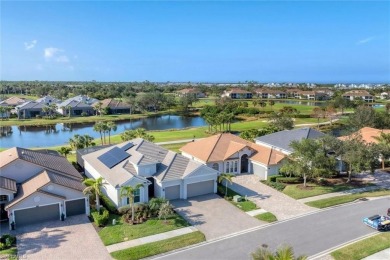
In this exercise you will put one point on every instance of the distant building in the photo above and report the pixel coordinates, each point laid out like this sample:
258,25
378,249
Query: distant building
237,93
363,94
32,109
77,106
270,93
311,95
115,106
190,91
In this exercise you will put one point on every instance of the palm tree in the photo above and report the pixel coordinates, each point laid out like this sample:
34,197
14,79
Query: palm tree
46,110
227,177
98,108
98,127
137,133
111,127
129,192
69,109
88,140
282,253
94,186
64,151
3,112
384,143
77,142
53,108
271,103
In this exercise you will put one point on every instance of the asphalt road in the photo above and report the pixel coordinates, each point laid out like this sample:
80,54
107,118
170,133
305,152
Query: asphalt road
308,235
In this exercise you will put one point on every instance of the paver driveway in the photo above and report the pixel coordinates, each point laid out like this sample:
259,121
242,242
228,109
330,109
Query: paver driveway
265,197
74,238
214,216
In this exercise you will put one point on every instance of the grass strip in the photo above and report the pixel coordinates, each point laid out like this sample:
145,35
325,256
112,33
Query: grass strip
324,203
159,247
363,248
267,217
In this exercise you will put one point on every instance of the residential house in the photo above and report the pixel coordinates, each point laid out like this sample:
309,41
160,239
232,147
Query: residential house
191,91
270,93
12,101
354,94
281,140
311,95
162,173
292,92
38,186
32,109
228,153
385,95
115,106
368,134
77,106
237,93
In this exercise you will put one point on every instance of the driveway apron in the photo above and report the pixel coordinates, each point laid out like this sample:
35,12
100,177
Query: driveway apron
265,197
214,216
74,238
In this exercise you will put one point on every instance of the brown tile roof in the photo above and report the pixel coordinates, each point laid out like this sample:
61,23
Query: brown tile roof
357,93
13,101
368,134
238,90
188,90
222,146
113,103
7,184
269,91
47,161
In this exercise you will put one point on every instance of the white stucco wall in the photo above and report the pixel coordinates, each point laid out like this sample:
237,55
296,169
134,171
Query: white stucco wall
31,202
20,170
146,170
8,193
63,191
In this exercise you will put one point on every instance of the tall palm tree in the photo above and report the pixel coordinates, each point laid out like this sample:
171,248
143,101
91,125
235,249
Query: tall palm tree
111,126
129,192
227,177
88,140
46,110
384,143
98,127
69,109
94,186
282,253
77,142
98,108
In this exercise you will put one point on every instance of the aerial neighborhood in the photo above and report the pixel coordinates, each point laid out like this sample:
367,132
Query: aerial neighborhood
195,130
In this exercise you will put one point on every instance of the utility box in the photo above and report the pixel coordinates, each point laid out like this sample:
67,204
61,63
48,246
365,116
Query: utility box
237,198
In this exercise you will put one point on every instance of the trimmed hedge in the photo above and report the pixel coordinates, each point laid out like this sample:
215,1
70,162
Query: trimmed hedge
276,185
274,177
108,204
288,180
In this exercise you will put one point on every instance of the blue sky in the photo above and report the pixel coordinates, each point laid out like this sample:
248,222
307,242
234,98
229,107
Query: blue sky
294,41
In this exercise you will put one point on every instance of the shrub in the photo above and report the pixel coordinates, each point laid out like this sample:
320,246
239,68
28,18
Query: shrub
101,218
84,114
155,204
274,177
276,185
2,246
8,240
289,180
124,209
108,204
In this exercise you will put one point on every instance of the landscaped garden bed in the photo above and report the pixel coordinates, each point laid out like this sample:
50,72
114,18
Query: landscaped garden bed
8,248
244,204
159,247
267,217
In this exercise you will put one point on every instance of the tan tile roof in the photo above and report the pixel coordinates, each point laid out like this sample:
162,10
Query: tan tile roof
368,134
45,160
188,90
357,93
8,184
222,146
113,103
13,101
238,90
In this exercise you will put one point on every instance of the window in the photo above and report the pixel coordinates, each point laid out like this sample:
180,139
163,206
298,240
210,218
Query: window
235,166
231,167
3,198
227,167
137,197
215,166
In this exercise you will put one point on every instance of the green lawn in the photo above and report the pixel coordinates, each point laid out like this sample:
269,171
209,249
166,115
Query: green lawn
10,253
245,205
174,147
122,231
159,247
313,190
346,198
267,217
363,248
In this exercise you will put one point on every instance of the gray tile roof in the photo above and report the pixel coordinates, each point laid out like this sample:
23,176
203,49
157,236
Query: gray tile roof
65,181
7,184
283,139
47,161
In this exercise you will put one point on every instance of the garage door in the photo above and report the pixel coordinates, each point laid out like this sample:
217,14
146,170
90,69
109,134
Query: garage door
200,188
75,207
36,215
172,193
260,171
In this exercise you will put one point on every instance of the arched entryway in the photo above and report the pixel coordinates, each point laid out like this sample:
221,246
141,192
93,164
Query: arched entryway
244,163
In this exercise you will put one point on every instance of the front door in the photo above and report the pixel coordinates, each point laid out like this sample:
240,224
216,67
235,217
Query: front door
244,163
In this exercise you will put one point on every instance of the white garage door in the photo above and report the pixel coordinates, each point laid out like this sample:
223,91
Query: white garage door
200,188
172,193
260,171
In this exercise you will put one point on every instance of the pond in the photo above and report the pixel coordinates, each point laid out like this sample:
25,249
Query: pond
59,134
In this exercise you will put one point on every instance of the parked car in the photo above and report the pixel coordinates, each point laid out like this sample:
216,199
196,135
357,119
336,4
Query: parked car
380,223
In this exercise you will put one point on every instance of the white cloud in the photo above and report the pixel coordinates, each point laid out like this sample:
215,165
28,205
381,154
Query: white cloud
366,40
51,52
30,45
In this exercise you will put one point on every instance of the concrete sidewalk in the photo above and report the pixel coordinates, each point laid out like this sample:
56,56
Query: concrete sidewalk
150,239
340,193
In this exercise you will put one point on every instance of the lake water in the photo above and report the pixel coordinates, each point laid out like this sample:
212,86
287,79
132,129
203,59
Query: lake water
59,134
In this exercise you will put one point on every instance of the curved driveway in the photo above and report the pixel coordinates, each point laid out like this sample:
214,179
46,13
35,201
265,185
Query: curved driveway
308,235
